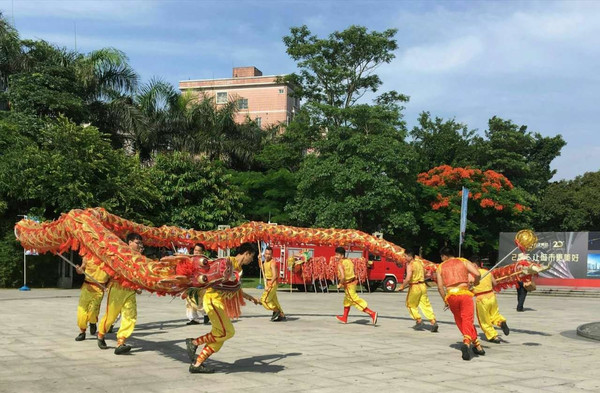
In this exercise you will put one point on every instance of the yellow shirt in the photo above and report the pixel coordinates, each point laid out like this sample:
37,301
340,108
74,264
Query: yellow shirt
485,285
267,267
418,272
348,268
96,272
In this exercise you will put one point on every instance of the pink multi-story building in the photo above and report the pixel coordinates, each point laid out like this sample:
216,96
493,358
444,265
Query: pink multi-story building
261,98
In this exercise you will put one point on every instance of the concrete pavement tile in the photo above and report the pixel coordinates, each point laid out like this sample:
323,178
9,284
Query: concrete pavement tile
592,385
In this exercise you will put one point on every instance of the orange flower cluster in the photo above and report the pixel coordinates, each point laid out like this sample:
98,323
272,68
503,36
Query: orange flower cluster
520,208
488,181
443,174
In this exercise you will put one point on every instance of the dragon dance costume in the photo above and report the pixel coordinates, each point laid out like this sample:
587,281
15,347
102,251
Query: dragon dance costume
269,297
486,304
90,298
349,281
459,299
220,306
417,295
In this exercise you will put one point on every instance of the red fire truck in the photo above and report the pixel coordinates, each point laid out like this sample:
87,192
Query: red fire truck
381,272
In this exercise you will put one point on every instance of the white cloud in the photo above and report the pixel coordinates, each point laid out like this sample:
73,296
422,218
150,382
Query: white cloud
534,63
441,56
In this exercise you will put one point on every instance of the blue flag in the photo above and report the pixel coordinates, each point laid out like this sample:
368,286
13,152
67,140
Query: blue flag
463,214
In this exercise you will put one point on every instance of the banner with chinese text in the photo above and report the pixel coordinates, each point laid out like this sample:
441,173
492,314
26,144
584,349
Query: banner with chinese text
575,256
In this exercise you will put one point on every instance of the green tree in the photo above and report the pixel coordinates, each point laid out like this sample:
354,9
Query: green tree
265,194
361,175
571,205
10,56
519,154
65,166
359,171
336,72
49,91
287,149
438,142
494,205
196,193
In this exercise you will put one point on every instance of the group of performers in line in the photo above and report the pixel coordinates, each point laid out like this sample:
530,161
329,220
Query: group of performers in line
458,281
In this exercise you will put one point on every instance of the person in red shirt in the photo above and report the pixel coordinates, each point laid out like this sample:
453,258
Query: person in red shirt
453,286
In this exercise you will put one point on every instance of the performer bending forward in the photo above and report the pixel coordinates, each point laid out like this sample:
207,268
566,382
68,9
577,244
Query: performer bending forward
453,286
269,297
214,305
348,281
417,293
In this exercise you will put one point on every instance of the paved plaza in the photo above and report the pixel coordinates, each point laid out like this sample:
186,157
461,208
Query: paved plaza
312,351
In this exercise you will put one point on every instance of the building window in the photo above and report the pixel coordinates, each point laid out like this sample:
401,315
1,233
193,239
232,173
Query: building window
258,121
242,103
222,97
280,91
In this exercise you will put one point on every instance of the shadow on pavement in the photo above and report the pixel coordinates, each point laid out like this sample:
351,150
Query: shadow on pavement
170,349
257,364
525,331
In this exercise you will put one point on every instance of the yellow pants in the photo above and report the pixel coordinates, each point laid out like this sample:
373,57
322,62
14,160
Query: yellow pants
488,314
89,305
417,298
119,300
269,299
352,299
222,328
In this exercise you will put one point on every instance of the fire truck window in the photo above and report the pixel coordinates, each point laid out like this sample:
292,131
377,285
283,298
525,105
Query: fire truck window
354,254
294,251
373,257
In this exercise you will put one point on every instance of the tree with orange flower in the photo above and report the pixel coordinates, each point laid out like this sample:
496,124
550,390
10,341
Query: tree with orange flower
494,205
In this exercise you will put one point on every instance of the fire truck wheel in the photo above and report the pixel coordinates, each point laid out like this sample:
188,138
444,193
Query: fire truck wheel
389,284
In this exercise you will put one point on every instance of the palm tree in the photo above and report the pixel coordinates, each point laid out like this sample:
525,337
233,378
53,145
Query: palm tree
213,132
10,55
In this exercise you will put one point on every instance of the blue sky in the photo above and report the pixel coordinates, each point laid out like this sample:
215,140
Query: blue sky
536,63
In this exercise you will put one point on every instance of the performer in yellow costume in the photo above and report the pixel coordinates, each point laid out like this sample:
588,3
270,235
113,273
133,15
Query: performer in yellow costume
92,292
214,305
348,280
269,297
121,300
417,293
486,305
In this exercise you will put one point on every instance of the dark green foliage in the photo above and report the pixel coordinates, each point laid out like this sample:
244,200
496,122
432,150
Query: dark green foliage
196,193
571,205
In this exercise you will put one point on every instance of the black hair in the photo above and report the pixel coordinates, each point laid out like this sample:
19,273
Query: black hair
133,236
447,251
200,245
475,258
340,250
269,248
246,247
409,252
